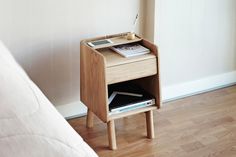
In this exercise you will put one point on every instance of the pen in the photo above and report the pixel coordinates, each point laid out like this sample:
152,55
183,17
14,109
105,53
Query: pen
135,22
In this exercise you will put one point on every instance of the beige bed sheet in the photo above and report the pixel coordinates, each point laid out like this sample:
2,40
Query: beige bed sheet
30,126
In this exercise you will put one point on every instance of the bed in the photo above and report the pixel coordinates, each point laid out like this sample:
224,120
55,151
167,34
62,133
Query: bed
30,126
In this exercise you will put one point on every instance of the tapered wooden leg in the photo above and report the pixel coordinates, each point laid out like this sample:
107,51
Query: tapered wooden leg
150,125
111,135
89,119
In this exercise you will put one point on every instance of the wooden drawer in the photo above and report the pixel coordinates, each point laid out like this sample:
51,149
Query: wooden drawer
131,71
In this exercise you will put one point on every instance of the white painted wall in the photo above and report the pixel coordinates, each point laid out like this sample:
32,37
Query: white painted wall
196,39
197,44
44,36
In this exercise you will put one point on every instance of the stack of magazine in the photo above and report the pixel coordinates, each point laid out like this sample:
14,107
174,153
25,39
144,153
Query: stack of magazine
125,97
130,50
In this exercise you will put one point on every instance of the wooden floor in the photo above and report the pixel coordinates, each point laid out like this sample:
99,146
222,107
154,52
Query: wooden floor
199,126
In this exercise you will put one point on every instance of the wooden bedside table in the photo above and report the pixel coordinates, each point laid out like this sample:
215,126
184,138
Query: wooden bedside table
101,67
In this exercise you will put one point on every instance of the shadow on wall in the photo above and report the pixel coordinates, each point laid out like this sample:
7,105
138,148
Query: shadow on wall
54,67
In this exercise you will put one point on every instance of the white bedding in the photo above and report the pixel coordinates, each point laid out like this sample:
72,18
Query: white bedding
30,126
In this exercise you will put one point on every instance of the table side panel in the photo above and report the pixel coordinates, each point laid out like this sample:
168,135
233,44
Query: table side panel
93,88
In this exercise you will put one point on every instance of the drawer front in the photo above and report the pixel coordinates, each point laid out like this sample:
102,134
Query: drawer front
131,71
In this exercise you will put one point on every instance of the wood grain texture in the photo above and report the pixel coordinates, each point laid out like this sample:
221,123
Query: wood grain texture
151,46
114,59
93,87
101,67
89,120
151,84
111,135
199,126
130,71
149,124
117,39
132,112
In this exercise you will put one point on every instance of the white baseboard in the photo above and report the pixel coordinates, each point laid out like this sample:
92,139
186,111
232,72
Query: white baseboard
198,86
72,110
169,93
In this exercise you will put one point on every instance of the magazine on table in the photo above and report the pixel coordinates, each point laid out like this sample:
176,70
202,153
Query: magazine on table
130,50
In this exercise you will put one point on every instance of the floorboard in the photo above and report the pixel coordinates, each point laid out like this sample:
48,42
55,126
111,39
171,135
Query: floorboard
198,126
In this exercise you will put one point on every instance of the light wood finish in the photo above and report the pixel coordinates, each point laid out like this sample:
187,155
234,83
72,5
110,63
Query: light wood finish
133,112
114,59
152,85
93,88
149,124
89,119
111,134
150,45
101,67
130,71
117,40
199,126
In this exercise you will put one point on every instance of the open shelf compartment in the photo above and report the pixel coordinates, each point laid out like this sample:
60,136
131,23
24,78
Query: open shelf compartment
150,87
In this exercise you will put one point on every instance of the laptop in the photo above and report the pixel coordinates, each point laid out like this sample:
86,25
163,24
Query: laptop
125,97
